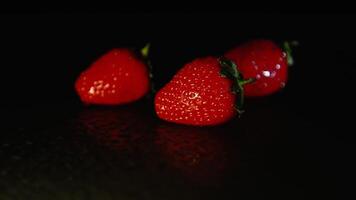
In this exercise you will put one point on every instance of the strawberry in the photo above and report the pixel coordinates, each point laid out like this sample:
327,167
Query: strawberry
202,93
117,77
264,61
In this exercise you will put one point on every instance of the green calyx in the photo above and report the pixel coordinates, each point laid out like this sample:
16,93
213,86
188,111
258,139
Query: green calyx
230,71
287,47
144,52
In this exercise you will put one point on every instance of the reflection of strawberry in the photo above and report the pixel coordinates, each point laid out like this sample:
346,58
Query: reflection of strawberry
201,93
264,61
199,154
117,77
119,128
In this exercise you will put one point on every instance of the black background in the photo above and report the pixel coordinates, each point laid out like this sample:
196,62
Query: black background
42,53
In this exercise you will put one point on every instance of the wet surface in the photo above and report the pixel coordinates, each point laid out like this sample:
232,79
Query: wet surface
78,152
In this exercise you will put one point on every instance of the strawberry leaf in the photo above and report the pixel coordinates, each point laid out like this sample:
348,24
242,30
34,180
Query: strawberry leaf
145,50
143,54
230,71
229,68
287,47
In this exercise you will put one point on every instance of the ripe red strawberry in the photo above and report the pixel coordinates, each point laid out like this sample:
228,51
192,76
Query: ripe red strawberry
264,61
199,95
117,77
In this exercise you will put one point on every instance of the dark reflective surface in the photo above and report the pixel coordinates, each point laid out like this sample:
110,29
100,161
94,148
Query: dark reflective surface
127,153
200,155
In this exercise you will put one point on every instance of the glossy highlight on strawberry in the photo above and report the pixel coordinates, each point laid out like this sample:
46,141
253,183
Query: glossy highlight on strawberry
197,95
118,77
264,61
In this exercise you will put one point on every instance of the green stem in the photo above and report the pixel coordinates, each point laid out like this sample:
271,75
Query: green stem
145,50
144,53
247,81
287,47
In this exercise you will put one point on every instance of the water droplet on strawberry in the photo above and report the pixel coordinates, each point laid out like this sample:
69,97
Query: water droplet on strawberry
266,73
91,91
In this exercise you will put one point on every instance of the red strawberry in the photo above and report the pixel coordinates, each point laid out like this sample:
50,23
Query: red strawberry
199,95
117,77
264,61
